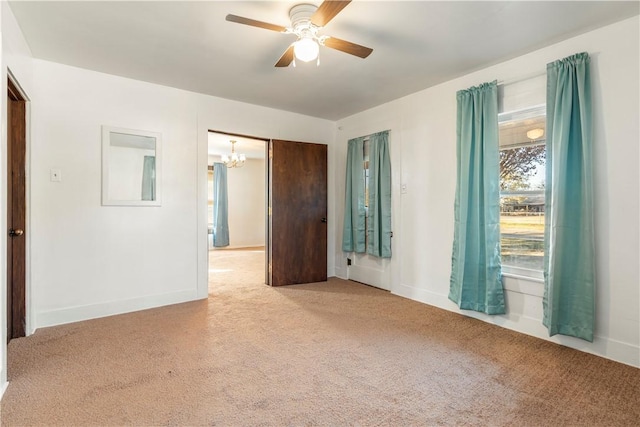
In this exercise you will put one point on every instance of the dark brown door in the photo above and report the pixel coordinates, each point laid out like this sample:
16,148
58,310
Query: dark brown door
298,222
16,207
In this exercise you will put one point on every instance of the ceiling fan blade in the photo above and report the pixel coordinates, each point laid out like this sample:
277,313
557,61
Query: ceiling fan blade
286,58
327,11
254,23
348,47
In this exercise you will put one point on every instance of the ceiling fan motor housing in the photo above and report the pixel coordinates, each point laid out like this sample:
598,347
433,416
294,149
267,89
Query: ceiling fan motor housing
301,16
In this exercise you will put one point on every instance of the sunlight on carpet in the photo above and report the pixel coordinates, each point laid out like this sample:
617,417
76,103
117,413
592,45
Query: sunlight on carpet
236,268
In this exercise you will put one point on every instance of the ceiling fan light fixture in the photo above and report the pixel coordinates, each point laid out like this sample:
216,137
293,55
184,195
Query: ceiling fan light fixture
306,49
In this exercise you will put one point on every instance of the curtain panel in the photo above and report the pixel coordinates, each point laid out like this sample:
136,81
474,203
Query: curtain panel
220,206
379,223
373,234
476,282
353,231
569,266
149,178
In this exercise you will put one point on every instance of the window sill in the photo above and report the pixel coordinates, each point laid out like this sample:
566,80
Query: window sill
532,286
521,277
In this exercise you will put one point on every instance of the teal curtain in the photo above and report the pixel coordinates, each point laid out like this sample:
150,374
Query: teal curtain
569,272
220,206
379,223
476,282
149,178
353,232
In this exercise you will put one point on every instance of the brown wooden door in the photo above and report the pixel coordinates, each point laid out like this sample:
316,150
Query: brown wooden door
16,207
298,222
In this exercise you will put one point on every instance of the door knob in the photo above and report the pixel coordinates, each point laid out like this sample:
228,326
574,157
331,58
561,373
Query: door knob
323,220
16,233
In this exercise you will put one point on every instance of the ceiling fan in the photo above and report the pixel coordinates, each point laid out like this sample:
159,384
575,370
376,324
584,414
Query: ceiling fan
306,22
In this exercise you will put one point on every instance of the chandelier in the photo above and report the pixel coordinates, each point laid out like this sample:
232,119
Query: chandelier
233,160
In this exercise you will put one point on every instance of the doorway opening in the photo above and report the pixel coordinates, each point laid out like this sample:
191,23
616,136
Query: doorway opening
237,210
16,210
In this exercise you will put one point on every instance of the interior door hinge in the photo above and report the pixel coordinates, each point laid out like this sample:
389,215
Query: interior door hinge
269,268
271,153
269,210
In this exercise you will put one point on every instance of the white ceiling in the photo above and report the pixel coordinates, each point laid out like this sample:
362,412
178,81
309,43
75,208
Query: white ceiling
189,45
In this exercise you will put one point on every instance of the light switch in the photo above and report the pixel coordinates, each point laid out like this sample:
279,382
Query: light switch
55,175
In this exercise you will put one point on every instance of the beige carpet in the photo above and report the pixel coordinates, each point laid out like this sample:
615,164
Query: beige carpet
330,354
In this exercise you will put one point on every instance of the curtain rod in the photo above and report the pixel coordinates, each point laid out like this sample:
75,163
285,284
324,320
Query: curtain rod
521,79
380,131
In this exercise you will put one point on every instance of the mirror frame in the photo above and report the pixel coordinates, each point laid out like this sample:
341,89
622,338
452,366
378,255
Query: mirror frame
106,144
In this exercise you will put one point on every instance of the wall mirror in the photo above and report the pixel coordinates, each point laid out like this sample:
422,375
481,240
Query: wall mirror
131,167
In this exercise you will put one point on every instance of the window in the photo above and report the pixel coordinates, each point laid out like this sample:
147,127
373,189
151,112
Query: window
522,184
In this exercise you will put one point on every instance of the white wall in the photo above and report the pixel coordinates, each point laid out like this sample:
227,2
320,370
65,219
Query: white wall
3,223
90,260
15,56
247,208
423,154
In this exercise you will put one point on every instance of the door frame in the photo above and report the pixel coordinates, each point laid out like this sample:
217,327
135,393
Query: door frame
266,195
27,290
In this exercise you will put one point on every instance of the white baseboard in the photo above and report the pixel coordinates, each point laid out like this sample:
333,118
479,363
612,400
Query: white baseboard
94,311
608,348
247,246
341,273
